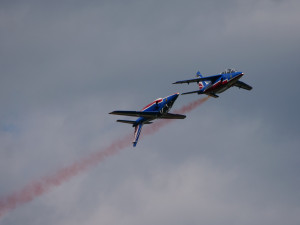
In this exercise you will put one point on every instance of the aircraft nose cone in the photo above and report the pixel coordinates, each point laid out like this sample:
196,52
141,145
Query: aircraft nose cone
175,96
238,74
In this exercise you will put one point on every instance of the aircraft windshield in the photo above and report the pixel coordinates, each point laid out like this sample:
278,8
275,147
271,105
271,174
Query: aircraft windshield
229,71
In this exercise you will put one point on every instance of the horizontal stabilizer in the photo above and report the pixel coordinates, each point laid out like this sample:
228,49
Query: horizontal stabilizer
191,92
126,121
131,122
172,116
136,113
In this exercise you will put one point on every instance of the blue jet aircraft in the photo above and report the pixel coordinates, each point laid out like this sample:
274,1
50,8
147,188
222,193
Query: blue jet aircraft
158,109
215,84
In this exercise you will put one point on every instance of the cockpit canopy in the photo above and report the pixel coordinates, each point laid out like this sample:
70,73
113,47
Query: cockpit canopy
229,71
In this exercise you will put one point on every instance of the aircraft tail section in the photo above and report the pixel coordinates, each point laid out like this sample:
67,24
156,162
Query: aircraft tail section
132,122
199,74
201,84
126,121
137,132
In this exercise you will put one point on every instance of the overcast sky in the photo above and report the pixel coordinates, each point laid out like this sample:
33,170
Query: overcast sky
64,65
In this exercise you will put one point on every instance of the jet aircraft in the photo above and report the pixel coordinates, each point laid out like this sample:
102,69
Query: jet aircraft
158,109
215,84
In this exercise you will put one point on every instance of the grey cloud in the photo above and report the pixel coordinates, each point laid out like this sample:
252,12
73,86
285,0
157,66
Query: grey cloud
65,65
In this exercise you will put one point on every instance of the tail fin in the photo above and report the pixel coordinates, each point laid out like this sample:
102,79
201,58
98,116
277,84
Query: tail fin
199,74
137,133
201,84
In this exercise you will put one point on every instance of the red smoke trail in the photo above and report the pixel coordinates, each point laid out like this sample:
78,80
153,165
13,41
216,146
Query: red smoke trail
41,186
185,109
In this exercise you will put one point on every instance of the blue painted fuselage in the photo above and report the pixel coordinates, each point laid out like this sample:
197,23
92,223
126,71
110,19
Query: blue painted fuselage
221,84
158,109
160,105
215,84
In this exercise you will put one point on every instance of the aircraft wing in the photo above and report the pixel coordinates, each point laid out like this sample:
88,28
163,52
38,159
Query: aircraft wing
212,95
241,84
172,116
210,78
152,114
